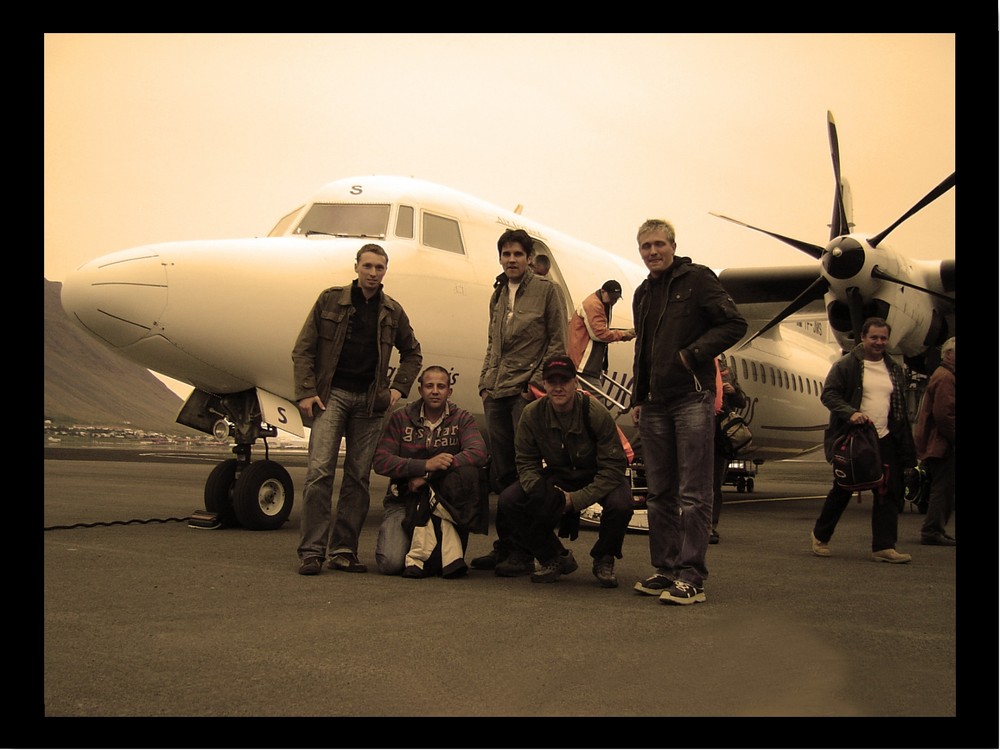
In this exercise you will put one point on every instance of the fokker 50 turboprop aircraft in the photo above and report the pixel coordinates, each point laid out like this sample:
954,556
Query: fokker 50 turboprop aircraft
222,316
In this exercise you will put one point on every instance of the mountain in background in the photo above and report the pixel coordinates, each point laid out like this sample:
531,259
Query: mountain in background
87,384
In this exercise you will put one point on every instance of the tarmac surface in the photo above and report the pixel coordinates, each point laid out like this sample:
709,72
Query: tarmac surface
145,616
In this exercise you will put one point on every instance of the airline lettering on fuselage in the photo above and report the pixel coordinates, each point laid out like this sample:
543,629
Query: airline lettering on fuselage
454,375
357,190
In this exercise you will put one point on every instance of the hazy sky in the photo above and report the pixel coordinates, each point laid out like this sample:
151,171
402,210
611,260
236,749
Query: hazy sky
160,137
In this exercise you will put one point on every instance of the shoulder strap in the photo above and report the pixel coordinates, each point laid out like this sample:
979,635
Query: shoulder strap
586,417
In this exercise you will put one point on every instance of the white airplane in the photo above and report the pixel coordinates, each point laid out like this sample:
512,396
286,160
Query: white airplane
222,316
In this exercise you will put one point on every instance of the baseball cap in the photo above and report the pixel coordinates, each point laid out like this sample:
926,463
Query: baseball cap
613,288
561,365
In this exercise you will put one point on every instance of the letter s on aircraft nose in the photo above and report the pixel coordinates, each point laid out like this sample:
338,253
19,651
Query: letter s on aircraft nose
118,297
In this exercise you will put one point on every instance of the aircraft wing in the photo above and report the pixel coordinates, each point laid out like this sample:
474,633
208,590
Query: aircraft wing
760,292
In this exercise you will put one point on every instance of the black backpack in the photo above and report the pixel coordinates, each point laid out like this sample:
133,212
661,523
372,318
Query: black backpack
857,464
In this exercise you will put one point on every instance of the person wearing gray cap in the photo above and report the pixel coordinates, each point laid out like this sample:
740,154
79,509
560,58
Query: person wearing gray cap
569,456
589,332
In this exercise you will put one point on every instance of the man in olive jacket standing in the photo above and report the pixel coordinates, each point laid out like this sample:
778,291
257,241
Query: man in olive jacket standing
527,326
341,364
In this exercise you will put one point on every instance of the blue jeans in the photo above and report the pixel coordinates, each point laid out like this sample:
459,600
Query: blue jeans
346,417
678,442
392,542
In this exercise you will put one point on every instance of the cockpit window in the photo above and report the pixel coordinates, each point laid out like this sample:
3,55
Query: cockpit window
442,233
283,223
404,222
346,220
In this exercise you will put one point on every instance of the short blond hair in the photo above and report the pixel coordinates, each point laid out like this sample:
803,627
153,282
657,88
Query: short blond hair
948,346
655,225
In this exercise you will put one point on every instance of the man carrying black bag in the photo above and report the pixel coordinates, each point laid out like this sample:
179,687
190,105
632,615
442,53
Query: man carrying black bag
867,385
569,456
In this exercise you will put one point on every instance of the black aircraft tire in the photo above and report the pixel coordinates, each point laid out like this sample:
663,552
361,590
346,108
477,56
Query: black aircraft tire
218,492
749,484
263,496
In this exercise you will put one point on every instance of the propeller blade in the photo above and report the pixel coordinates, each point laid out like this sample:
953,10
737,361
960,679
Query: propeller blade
838,224
933,195
813,292
878,273
808,248
855,304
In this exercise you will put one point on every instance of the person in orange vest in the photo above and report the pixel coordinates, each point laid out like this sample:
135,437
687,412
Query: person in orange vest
589,332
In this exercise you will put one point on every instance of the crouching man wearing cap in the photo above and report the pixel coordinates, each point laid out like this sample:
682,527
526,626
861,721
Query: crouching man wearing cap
569,456
589,331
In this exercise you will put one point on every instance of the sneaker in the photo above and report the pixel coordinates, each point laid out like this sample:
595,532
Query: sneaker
567,563
486,562
604,571
683,593
820,549
347,562
713,538
311,566
549,572
517,564
890,556
654,585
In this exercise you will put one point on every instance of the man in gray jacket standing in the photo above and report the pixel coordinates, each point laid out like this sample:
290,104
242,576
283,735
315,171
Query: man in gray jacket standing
527,326
684,319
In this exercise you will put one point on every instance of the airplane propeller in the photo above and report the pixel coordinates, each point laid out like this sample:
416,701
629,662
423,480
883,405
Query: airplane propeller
844,256
946,184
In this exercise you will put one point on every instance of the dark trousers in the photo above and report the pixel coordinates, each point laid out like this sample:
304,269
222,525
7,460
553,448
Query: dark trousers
885,507
941,503
531,524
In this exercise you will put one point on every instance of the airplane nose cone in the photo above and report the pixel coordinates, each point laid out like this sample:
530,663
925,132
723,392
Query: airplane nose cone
844,258
118,297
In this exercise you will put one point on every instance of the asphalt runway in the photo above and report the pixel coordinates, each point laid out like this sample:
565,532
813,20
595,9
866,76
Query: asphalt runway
145,616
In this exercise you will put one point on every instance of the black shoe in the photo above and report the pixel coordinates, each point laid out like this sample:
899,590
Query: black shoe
455,569
713,538
486,562
347,562
517,564
311,566
938,541
683,593
414,571
604,571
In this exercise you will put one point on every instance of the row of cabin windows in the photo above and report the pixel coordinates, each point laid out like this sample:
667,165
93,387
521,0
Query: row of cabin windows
759,373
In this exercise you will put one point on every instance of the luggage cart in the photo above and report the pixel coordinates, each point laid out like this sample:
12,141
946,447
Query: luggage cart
740,473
